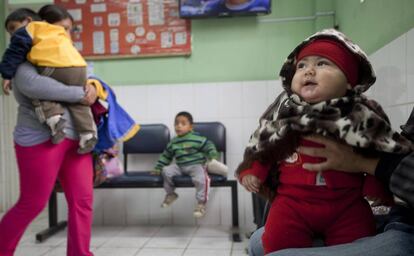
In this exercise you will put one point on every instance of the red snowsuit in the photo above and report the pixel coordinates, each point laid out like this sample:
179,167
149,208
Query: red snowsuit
330,204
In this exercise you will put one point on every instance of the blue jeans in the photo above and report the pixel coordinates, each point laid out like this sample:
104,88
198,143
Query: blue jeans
255,243
396,240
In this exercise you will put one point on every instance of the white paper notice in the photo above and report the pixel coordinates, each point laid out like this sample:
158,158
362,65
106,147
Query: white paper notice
156,12
114,19
130,37
166,39
97,21
180,38
134,14
151,36
98,8
114,34
135,49
76,14
140,31
114,47
114,38
98,42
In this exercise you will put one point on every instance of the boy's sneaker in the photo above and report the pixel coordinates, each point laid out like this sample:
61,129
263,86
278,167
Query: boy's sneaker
199,210
169,199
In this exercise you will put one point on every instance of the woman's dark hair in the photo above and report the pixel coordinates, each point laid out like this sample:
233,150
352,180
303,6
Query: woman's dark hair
20,15
186,115
52,13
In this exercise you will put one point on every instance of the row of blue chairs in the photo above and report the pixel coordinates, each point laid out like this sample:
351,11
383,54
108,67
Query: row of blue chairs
153,139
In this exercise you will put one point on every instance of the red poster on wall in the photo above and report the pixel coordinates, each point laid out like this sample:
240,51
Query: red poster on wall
128,28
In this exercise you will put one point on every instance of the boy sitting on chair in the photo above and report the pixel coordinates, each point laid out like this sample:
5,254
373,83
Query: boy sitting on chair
191,152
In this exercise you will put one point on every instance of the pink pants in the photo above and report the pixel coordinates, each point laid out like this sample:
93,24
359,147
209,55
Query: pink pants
39,167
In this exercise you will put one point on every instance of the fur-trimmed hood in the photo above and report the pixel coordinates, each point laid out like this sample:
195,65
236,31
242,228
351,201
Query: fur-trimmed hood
366,72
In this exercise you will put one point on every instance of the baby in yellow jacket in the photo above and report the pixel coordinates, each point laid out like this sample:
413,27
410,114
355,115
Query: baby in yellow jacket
47,44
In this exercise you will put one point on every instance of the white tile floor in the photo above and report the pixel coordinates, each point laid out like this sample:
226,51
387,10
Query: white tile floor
138,241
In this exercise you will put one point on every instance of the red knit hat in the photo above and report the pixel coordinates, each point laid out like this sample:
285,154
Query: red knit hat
335,52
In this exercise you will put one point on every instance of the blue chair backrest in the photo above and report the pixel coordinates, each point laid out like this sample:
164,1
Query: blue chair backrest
215,132
150,139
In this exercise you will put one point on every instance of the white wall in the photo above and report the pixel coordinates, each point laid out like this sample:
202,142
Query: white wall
394,89
9,185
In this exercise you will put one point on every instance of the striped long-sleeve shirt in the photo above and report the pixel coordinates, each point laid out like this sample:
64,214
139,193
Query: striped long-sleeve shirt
188,149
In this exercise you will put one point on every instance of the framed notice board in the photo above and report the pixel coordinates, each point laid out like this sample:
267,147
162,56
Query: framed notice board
128,28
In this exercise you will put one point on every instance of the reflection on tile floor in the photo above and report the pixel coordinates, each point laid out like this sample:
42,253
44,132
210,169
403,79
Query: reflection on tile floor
138,241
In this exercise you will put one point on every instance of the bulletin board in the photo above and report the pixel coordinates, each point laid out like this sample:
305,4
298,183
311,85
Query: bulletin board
128,28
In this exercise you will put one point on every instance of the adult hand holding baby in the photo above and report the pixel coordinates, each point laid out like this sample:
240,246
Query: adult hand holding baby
6,86
251,183
338,156
90,95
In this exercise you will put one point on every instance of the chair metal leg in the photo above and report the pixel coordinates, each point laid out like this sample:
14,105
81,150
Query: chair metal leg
54,225
45,234
235,212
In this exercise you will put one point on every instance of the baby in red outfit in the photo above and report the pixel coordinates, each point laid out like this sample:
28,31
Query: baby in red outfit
323,95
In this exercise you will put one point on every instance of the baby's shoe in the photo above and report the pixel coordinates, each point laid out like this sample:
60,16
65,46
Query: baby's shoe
87,143
169,199
199,210
56,124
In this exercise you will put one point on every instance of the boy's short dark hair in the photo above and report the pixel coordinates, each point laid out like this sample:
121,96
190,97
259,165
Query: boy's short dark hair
20,15
186,115
53,13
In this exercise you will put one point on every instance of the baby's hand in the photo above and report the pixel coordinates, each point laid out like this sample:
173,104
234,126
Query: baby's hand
251,183
155,172
6,86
